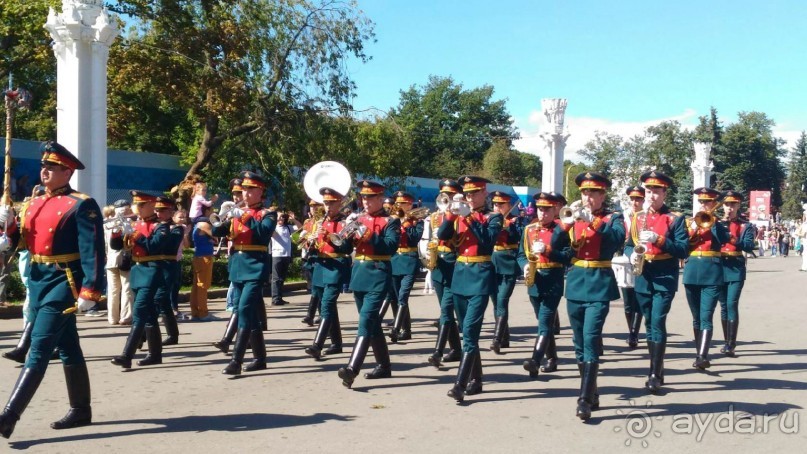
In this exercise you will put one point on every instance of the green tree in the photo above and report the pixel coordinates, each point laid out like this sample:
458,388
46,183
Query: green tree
750,158
25,52
451,128
794,193
504,165
210,72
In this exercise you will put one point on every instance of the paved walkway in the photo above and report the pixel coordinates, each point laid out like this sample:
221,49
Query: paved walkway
299,405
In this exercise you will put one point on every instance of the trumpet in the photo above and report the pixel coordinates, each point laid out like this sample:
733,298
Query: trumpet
118,222
443,202
706,219
571,213
459,204
350,230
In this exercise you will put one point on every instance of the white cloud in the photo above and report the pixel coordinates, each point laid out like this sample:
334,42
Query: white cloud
582,129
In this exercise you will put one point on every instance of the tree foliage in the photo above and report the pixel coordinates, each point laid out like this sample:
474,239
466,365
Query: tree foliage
451,128
199,74
504,165
25,52
794,193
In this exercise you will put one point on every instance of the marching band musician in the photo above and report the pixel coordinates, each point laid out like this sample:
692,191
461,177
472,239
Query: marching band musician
148,241
544,251
633,314
165,207
374,242
507,269
233,293
63,232
405,264
251,231
741,239
664,236
476,229
596,234
703,272
391,296
309,259
331,271
442,277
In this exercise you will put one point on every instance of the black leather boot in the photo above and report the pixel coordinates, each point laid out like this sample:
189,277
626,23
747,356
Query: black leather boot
155,354
262,315
724,324
702,360
454,344
551,364
656,378
229,334
171,328
635,328
313,304
732,326
442,337
457,392
629,319
505,332
336,336
241,341
78,392
348,373
258,351
556,329
498,332
135,335
531,365
588,386
475,385
383,368
697,333
24,390
398,325
19,352
315,350
406,330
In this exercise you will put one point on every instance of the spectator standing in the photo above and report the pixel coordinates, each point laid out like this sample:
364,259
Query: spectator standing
203,243
180,219
118,263
281,254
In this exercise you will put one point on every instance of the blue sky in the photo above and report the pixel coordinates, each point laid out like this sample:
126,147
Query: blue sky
622,64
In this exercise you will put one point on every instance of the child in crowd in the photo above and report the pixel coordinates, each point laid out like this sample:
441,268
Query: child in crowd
199,202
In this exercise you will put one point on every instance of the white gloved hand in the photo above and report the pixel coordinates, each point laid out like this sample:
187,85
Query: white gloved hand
538,247
5,243
583,215
463,209
351,217
127,228
526,270
634,258
648,236
693,226
84,304
236,212
361,230
6,215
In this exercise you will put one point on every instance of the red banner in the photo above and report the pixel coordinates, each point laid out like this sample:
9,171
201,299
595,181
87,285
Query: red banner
759,206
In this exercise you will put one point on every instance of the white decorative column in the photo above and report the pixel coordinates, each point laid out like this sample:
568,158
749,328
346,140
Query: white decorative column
82,34
552,179
701,169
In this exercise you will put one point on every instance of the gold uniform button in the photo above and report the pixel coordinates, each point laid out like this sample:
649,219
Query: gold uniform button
58,213
50,229
47,247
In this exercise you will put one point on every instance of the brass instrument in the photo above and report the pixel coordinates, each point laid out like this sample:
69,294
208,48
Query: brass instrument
567,213
325,174
706,219
532,265
639,249
305,239
225,212
349,231
443,202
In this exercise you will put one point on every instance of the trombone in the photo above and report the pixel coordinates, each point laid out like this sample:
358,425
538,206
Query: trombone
706,219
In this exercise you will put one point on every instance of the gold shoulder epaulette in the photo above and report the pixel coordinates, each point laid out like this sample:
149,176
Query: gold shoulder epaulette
80,195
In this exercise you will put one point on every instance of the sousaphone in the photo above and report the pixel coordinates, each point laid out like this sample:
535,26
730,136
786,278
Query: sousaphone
326,174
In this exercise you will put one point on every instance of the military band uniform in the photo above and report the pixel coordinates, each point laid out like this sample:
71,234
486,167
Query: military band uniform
633,313
331,272
473,282
148,244
251,233
309,259
63,232
442,277
172,270
656,286
703,278
370,278
547,288
405,264
507,271
741,240
591,286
